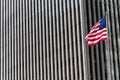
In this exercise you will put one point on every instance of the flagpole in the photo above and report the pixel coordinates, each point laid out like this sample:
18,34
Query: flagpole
107,43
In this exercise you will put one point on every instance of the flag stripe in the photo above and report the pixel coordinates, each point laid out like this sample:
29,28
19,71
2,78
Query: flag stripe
91,43
94,30
97,33
97,37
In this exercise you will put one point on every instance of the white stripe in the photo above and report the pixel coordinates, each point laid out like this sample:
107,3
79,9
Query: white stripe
96,32
94,42
96,25
95,37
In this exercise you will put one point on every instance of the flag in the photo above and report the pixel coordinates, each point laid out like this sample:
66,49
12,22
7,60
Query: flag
97,33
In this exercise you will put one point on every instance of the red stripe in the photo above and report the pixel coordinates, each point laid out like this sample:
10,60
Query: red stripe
93,31
93,38
94,34
96,25
97,42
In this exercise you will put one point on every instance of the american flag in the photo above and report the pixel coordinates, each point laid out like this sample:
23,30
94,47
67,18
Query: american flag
97,33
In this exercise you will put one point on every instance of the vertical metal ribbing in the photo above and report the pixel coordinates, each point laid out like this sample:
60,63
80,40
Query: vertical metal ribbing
54,39
69,35
102,53
43,40
118,29
101,9
66,40
1,39
14,52
75,73
58,38
84,55
88,68
24,41
96,53
37,39
1,43
40,38
109,50
47,40
33,27
116,33
21,40
30,39
62,39
18,39
9,42
92,54
112,41
4,42
27,39
78,40
51,39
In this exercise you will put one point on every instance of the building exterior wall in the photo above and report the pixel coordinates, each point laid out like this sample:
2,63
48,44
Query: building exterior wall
44,40
104,59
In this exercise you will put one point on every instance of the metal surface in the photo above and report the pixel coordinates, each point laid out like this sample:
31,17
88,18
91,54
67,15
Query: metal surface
44,40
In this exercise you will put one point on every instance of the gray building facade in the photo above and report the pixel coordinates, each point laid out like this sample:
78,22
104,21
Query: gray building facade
44,40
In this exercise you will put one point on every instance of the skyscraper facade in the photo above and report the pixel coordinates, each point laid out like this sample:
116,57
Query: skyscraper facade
44,40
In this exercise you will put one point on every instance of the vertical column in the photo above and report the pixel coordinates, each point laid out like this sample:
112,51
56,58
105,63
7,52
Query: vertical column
18,37
112,43
1,43
21,40
44,40
24,41
102,52
70,37
58,38
95,55
33,27
4,43
66,40
27,39
30,39
74,28
83,41
37,39
62,38
14,31
51,39
40,39
78,40
9,41
117,70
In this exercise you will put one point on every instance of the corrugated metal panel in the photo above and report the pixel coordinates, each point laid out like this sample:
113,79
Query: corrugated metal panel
41,40
104,59
44,40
